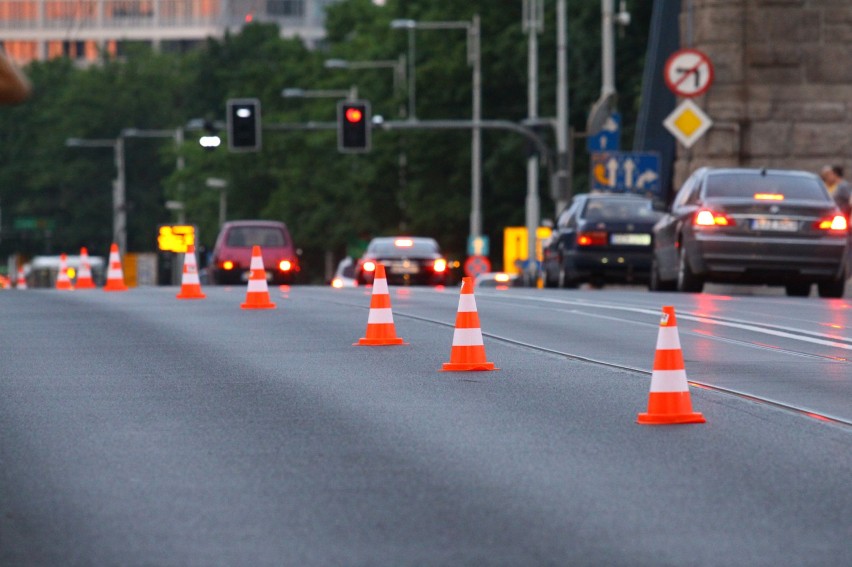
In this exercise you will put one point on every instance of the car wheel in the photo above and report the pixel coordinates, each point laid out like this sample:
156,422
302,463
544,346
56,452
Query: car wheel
549,281
686,280
798,289
654,281
832,289
564,281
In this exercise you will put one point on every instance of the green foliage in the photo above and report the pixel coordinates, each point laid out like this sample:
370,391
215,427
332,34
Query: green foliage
413,181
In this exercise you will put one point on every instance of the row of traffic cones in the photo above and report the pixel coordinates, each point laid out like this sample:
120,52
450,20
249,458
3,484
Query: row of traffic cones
114,280
468,350
669,401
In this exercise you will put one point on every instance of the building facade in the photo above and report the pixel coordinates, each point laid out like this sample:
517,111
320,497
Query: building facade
84,29
782,95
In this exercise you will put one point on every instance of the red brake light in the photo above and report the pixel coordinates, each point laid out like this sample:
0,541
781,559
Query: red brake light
285,265
768,197
440,265
709,218
834,223
227,265
596,238
403,243
369,266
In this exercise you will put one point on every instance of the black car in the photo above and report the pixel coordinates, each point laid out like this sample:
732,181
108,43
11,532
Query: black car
752,226
601,238
407,260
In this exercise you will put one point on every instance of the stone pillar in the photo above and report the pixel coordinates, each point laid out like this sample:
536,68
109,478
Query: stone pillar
782,95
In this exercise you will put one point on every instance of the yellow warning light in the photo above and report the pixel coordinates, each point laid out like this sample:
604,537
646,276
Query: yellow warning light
176,238
71,272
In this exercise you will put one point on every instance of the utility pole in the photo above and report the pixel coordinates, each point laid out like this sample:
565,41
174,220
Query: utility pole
532,24
563,158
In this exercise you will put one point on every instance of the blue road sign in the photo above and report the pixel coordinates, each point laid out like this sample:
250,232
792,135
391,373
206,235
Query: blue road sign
608,139
477,246
634,172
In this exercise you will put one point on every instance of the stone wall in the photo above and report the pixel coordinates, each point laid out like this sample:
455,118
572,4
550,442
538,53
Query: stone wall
782,95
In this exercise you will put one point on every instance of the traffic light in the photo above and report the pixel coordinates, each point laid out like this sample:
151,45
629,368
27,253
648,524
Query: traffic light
244,125
353,126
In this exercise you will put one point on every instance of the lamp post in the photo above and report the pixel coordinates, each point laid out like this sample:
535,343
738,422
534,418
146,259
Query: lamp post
398,67
119,206
351,94
474,59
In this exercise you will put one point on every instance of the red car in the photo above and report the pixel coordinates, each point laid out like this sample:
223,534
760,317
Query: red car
231,259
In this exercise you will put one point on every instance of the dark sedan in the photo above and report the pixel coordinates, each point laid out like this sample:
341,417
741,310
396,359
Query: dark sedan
752,226
407,260
601,238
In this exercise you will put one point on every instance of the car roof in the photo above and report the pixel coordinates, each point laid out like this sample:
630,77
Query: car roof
758,171
260,223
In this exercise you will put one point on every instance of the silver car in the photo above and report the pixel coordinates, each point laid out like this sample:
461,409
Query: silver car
753,226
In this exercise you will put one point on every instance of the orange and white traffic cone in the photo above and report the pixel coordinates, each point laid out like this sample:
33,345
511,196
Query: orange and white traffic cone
84,278
115,276
468,352
257,293
62,280
22,279
669,400
380,327
190,285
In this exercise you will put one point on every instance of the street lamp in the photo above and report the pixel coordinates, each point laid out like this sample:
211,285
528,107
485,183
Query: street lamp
351,94
398,67
475,60
119,207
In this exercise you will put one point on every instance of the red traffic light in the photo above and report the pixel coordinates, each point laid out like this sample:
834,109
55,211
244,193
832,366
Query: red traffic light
354,115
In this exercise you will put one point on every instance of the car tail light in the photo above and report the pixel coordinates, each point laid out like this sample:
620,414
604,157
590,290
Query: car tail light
337,283
768,197
835,223
369,266
707,217
403,243
440,265
501,277
227,265
595,238
285,265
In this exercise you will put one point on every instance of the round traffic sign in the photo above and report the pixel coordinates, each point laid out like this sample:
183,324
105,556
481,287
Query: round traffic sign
688,72
475,265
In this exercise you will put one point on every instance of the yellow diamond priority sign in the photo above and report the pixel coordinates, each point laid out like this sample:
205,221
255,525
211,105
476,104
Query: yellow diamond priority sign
687,123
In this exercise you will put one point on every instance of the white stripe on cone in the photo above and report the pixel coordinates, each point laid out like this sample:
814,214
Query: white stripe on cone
257,285
668,339
380,286
256,263
669,381
380,315
467,303
467,337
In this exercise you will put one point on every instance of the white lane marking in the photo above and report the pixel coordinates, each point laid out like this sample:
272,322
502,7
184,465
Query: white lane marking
786,332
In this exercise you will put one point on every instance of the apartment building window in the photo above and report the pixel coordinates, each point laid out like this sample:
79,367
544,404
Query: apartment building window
286,8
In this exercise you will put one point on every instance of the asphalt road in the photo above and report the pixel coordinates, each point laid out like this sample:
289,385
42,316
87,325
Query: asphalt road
137,429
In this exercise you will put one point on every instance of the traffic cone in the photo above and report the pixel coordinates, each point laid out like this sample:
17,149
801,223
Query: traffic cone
115,277
84,278
22,280
669,400
380,327
468,352
62,281
190,285
257,294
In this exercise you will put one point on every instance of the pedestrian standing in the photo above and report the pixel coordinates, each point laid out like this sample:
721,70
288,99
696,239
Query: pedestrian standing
838,188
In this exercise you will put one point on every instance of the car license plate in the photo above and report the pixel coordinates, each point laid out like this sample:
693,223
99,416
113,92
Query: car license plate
781,225
404,268
631,239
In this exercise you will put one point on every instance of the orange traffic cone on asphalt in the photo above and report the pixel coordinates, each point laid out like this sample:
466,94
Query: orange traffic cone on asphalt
22,280
62,280
380,327
257,294
190,285
669,400
84,277
115,277
468,352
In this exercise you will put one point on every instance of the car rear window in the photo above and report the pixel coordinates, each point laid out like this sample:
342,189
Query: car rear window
247,236
617,209
747,186
417,247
